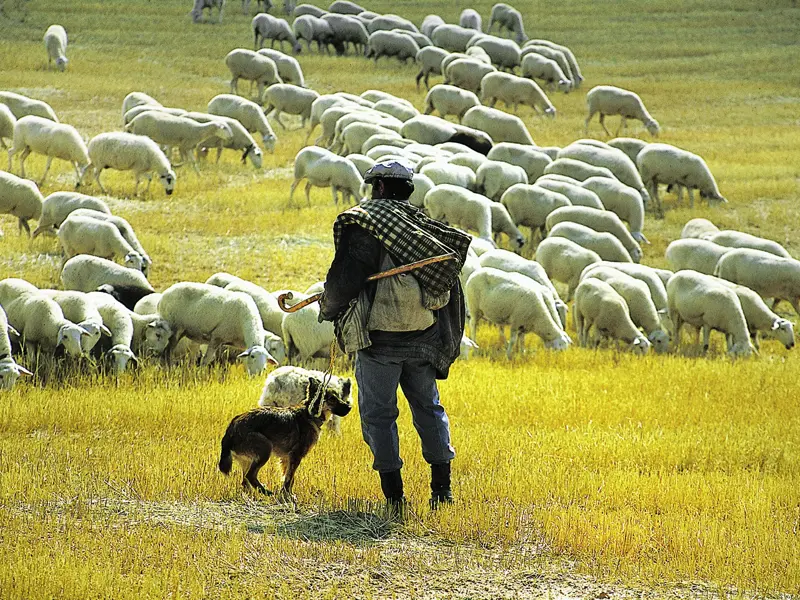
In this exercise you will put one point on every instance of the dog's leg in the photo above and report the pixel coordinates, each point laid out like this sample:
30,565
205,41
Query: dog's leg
260,448
290,464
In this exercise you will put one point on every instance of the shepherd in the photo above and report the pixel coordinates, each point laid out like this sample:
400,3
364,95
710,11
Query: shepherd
406,330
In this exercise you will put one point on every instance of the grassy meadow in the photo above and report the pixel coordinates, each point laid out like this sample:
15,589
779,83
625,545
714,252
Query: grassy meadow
578,474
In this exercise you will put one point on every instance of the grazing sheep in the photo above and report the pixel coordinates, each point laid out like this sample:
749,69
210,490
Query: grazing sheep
429,60
512,299
606,245
608,100
500,126
470,19
662,163
532,161
576,169
738,239
429,23
702,302
427,129
513,91
694,254
9,370
450,100
323,168
290,99
563,260
760,318
124,228
128,152
389,43
572,189
248,113
308,9
201,5
58,206
388,22
240,139
251,66
504,54
600,221
289,69
20,198
7,122
55,42
397,109
119,321
142,108
628,146
85,273
314,29
458,206
555,55
467,73
266,27
452,38
79,309
135,99
54,140
21,106
442,173
529,205
494,177
347,29
355,134
85,235
598,305
304,336
502,223
267,304
612,159
698,228
508,18
650,276
472,160
622,200
573,62
536,66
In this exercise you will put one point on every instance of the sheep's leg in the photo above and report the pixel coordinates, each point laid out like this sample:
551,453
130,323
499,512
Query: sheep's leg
97,171
577,318
23,224
291,189
603,124
308,193
25,153
623,124
795,305
10,154
46,170
335,192
210,355
277,116
706,338
586,123
77,174
235,85
512,342
690,191
189,156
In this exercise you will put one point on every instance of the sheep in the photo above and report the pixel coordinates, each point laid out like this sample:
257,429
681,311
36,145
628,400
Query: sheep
128,152
598,305
510,298
450,100
429,60
388,43
608,100
384,139
600,221
474,139
304,336
39,319
397,109
9,370
308,9
527,157
452,38
662,163
768,275
472,160
135,99
55,42
650,276
500,126
641,307
208,314
760,318
252,66
737,239
266,27
502,223
86,235
622,200
323,168
21,106
346,30
289,69
200,5
698,228
554,55
388,22
441,173
355,134
458,206
290,99
7,122
85,273
142,108
576,169
119,321
576,194
606,245
428,130
573,62
58,206
694,254
248,113
20,198
513,91
467,73
513,263
314,29
612,159
240,139
54,140
628,146
529,205
422,185
494,177
345,7
536,66
79,309
470,19
509,18
701,301
124,228
429,23
504,54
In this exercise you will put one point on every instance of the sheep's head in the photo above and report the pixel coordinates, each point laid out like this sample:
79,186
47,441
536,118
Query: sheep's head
275,347
254,153
331,402
660,341
256,358
9,372
70,335
520,241
61,63
120,355
562,342
783,331
636,254
269,142
157,335
713,196
94,330
550,112
168,181
652,127
134,260
564,85
640,346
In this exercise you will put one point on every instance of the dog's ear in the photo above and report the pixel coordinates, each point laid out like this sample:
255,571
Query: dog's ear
314,397
346,389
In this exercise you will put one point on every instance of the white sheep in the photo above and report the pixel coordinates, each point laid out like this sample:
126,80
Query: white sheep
606,245
598,305
529,205
472,160
290,99
79,309
323,168
267,304
422,185
143,108
58,206
494,177
7,122
347,29
248,113
86,235
363,163
662,163
532,161
698,228
563,260
251,66
312,28
760,318
704,303
20,198
576,169
608,100
429,23
240,139
266,27
555,55
345,7
452,38
208,314
135,99
201,5
467,73
470,19
388,22
9,370
54,140
55,42
503,223
289,69
622,200
85,273
536,66
442,173
118,320
21,106
509,18
427,129
513,91
354,135
629,146
388,43
429,60
450,100
738,239
304,336
610,158
572,189
600,221
124,228
694,254
648,275
308,9
573,62
499,125
458,206
504,54
512,299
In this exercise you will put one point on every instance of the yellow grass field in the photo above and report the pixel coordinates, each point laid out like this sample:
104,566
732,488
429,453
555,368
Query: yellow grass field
582,474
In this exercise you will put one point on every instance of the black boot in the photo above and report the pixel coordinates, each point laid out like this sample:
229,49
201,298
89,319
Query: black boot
392,487
440,485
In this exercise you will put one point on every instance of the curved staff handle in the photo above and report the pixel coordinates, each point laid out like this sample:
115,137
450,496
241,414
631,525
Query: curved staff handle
303,303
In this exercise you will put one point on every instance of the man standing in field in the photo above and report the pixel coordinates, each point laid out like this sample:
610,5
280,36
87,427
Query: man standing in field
405,329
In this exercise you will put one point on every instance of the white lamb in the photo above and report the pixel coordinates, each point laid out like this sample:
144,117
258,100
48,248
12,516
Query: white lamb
504,54
512,299
201,5
529,206
599,220
7,122
494,177
86,273
612,159
323,168
695,254
629,146
458,206
208,314
450,100
698,228
240,140
248,113
118,320
128,152
573,62
54,140
563,260
622,200
467,73
58,206
87,235
648,275
304,336
509,18
442,173
251,66
79,309
608,100
135,99
290,99
470,19
452,38
572,189
702,302
536,66
513,91
529,158
21,106
607,245
55,42
738,239
289,69
9,370
555,55
599,306
266,27
576,169
20,198
389,43
499,125
429,60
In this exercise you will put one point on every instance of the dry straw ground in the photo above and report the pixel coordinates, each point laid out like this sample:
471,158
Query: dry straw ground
577,475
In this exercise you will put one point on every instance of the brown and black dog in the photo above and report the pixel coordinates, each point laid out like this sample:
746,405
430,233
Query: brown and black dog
289,433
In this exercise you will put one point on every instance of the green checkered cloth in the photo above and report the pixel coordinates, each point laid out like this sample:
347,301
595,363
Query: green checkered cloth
410,236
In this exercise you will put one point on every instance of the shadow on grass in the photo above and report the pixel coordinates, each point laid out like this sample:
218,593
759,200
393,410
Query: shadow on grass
361,527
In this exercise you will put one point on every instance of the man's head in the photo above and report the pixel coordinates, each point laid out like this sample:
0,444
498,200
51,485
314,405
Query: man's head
390,180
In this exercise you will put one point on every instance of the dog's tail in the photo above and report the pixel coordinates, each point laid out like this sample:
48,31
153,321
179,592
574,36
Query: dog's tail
225,457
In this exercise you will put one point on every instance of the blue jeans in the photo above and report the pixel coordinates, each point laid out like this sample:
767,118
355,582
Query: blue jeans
378,376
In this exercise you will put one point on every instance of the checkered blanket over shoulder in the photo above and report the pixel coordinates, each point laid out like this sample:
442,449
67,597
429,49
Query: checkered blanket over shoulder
409,236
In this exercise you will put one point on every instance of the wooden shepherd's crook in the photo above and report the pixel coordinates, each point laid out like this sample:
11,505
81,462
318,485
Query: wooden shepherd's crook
391,272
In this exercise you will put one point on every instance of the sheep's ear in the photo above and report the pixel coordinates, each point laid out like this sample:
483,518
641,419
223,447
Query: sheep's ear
60,338
153,325
662,311
244,354
22,370
13,331
105,330
84,332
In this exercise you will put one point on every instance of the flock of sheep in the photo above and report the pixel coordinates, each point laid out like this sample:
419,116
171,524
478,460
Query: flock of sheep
579,210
